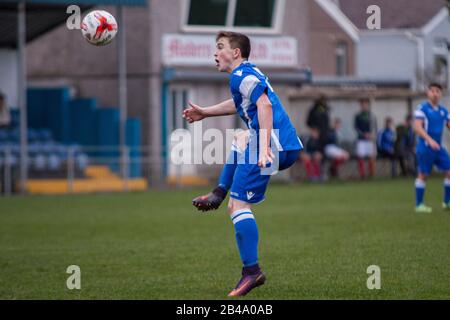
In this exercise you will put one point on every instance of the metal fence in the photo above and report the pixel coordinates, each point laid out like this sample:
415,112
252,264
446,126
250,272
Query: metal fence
54,168
59,169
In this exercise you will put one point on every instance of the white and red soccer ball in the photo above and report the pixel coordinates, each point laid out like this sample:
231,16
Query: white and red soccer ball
99,27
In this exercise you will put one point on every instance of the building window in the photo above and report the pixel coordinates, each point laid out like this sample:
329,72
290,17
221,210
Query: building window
254,13
216,12
341,59
239,15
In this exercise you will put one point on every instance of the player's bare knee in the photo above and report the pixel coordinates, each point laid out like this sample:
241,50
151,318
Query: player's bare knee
421,177
234,205
230,206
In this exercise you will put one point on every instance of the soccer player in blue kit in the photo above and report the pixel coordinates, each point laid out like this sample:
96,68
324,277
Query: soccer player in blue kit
430,119
270,130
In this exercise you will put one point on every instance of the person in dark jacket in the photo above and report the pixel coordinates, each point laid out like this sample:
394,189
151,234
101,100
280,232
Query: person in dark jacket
319,118
312,156
405,147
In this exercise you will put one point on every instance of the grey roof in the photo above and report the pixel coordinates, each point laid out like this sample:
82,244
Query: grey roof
42,16
39,19
395,14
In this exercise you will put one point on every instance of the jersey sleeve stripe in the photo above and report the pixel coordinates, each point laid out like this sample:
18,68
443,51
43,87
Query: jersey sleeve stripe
247,85
418,114
258,91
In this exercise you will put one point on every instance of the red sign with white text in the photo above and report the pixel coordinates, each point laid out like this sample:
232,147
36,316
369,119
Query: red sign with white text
197,50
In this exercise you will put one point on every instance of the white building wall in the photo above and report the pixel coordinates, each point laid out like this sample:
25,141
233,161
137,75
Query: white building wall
386,57
441,32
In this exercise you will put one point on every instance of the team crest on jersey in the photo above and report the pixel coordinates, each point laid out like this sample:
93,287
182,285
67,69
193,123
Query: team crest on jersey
250,195
238,73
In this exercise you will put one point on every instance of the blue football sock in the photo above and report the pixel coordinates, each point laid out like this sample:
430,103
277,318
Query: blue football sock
446,190
420,191
227,174
246,236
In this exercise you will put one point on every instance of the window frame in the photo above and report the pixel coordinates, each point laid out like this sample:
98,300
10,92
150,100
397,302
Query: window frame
172,114
276,25
342,45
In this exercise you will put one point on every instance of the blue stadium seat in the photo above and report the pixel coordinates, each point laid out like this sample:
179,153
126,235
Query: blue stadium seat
48,147
39,162
45,135
14,135
32,135
15,117
3,135
54,162
81,161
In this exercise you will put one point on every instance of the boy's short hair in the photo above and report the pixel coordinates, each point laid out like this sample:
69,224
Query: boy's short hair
364,100
237,40
435,85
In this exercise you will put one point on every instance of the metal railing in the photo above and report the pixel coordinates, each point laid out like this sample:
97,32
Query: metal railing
68,165
57,163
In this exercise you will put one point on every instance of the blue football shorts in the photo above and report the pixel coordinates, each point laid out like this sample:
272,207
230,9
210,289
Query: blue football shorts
428,157
250,181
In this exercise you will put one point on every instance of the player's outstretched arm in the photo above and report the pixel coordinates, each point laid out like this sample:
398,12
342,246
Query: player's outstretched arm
196,113
265,118
420,131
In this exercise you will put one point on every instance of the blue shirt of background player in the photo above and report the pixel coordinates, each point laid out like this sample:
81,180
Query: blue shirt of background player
247,84
434,122
386,141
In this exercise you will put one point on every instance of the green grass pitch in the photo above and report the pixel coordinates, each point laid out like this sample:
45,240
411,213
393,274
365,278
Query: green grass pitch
316,242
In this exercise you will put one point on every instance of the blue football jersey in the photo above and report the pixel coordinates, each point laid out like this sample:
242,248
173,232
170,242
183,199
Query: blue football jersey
434,119
247,84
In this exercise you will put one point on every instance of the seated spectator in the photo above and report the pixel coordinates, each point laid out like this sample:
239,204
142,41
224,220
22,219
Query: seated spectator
336,154
386,144
5,117
312,156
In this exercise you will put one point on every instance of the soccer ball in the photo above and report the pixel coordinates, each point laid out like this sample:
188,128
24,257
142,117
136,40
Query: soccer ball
99,27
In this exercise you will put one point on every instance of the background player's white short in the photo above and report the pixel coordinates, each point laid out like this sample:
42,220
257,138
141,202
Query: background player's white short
365,148
332,151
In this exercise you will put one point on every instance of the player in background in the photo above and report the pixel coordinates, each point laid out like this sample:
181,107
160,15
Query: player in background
366,128
270,129
430,119
405,146
386,144
333,151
